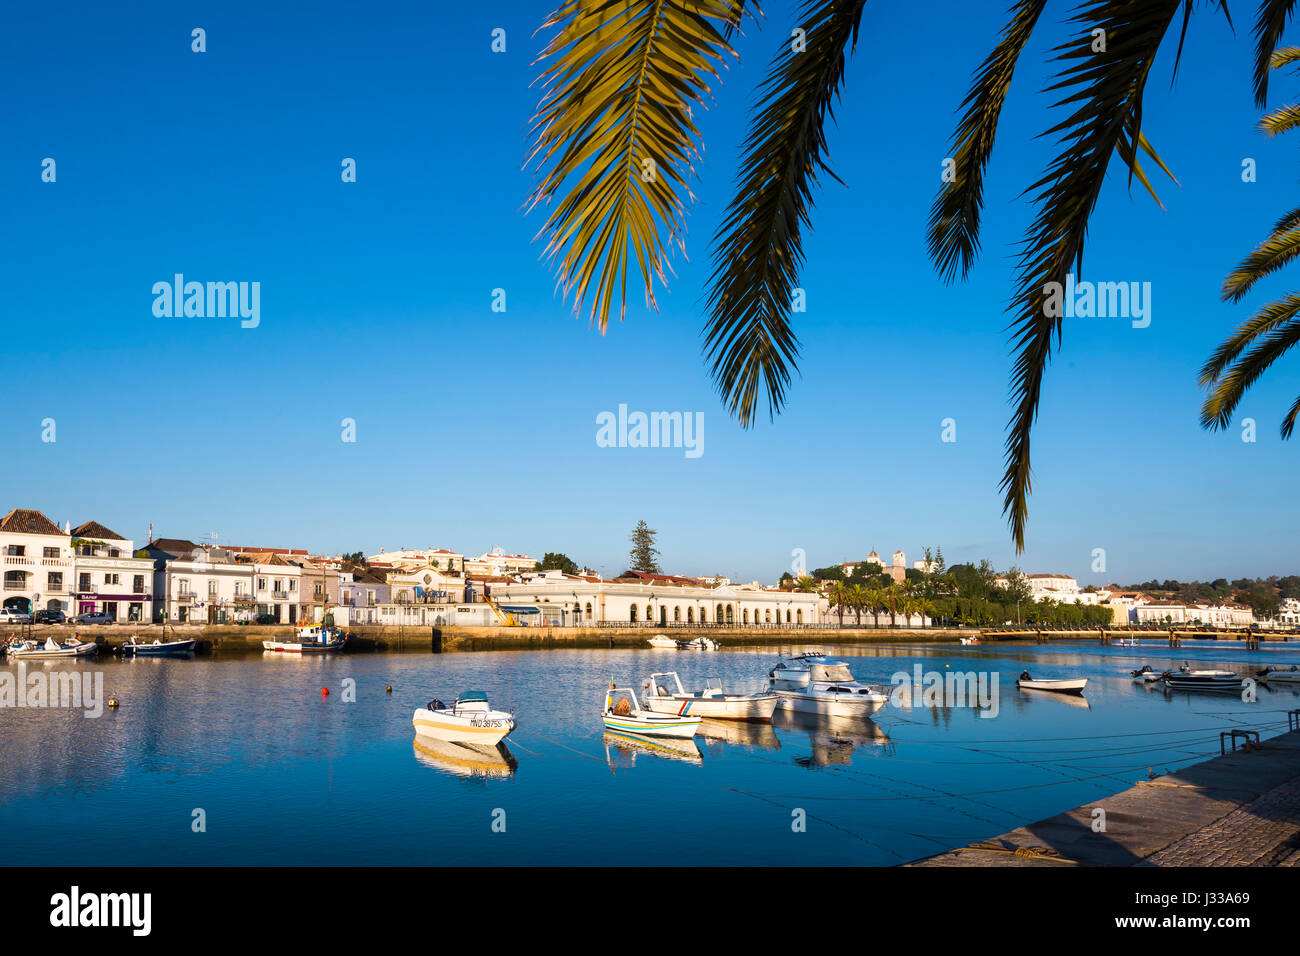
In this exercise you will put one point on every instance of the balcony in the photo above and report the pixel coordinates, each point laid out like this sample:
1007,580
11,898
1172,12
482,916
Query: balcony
11,559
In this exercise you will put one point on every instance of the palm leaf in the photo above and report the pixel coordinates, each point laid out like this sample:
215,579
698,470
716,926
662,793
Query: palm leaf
1269,24
614,139
1105,91
1270,255
1232,369
758,247
1281,120
955,216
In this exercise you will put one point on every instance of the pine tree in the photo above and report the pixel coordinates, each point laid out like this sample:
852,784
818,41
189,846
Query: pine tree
644,554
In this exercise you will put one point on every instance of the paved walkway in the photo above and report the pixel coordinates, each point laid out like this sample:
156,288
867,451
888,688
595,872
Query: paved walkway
1241,809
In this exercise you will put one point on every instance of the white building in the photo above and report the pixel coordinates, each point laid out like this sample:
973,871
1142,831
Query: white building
277,589
496,563
38,563
440,558
108,577
206,586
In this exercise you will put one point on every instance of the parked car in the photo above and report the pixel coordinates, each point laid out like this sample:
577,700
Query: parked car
10,616
50,617
92,617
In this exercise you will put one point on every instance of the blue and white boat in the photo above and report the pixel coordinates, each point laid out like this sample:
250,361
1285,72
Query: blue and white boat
159,648
314,638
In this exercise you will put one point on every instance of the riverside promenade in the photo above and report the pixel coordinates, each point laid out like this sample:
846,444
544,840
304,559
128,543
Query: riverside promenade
1240,809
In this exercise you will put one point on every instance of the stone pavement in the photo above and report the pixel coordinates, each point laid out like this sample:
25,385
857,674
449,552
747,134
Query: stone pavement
1241,809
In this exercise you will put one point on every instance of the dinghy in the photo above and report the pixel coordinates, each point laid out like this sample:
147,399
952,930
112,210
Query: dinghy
712,701
662,640
699,644
817,684
1072,685
34,650
470,719
136,647
1279,675
626,716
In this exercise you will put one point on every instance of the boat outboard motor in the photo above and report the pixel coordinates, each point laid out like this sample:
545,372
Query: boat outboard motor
1025,676
436,704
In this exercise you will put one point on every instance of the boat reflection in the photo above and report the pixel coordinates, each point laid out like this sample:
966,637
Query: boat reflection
738,733
1072,700
833,739
622,748
465,760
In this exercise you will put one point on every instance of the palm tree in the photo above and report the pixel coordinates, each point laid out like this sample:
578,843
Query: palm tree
875,600
1275,329
857,599
838,596
805,584
614,142
892,598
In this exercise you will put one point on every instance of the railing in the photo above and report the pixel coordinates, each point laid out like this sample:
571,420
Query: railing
15,585
11,559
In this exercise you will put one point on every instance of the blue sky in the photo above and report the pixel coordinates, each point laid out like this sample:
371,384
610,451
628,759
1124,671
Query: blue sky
477,428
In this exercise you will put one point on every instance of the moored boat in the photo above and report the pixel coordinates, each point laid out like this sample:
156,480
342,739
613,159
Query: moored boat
662,640
627,716
314,638
1070,685
711,701
817,684
1279,675
35,650
699,644
1212,680
1147,675
470,719
135,647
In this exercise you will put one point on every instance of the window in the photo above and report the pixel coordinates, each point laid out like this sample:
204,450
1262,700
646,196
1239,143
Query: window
15,580
110,579
293,585
83,582
114,553
54,581
137,584
183,586
261,584
16,550
50,552
212,589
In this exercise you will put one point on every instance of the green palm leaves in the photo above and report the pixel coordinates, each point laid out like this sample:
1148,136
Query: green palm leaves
614,140
758,248
1272,331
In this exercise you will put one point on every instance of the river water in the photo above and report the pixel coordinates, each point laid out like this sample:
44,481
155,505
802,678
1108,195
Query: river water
240,760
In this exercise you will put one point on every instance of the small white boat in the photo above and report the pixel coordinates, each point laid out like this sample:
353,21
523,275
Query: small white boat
35,650
1128,642
699,644
968,640
627,716
1071,685
662,640
470,719
1279,675
315,638
817,684
1148,676
712,701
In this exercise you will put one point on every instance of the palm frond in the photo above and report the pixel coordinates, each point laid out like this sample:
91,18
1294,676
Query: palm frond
1269,24
1288,423
1269,256
1268,342
614,130
758,249
1105,90
955,216
1281,120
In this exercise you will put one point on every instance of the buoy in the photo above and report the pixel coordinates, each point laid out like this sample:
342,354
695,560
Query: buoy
388,689
324,691
112,702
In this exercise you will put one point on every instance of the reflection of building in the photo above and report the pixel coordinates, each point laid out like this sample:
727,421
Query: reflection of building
37,562
108,577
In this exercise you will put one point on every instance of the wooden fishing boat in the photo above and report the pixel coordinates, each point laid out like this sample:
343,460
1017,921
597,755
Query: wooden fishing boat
627,716
137,648
470,719
313,639
1070,685
712,701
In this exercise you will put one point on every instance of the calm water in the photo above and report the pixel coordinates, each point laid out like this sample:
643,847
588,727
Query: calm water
286,777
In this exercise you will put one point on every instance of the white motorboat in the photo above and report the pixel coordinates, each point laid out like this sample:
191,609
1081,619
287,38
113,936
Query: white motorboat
1128,642
1071,685
699,644
470,719
1147,675
35,650
817,684
314,638
626,716
1279,675
968,640
1187,679
662,640
712,701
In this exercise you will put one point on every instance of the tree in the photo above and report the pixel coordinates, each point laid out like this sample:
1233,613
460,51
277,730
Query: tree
1275,329
838,596
614,143
555,561
875,602
805,585
644,554
355,557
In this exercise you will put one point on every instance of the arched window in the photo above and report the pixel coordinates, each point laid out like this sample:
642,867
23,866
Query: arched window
787,615
721,615
649,613
798,615
589,610
731,614
767,616
632,618
704,615
744,615
690,615
677,614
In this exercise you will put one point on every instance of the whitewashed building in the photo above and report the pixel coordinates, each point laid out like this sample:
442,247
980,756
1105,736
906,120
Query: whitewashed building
107,576
38,565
